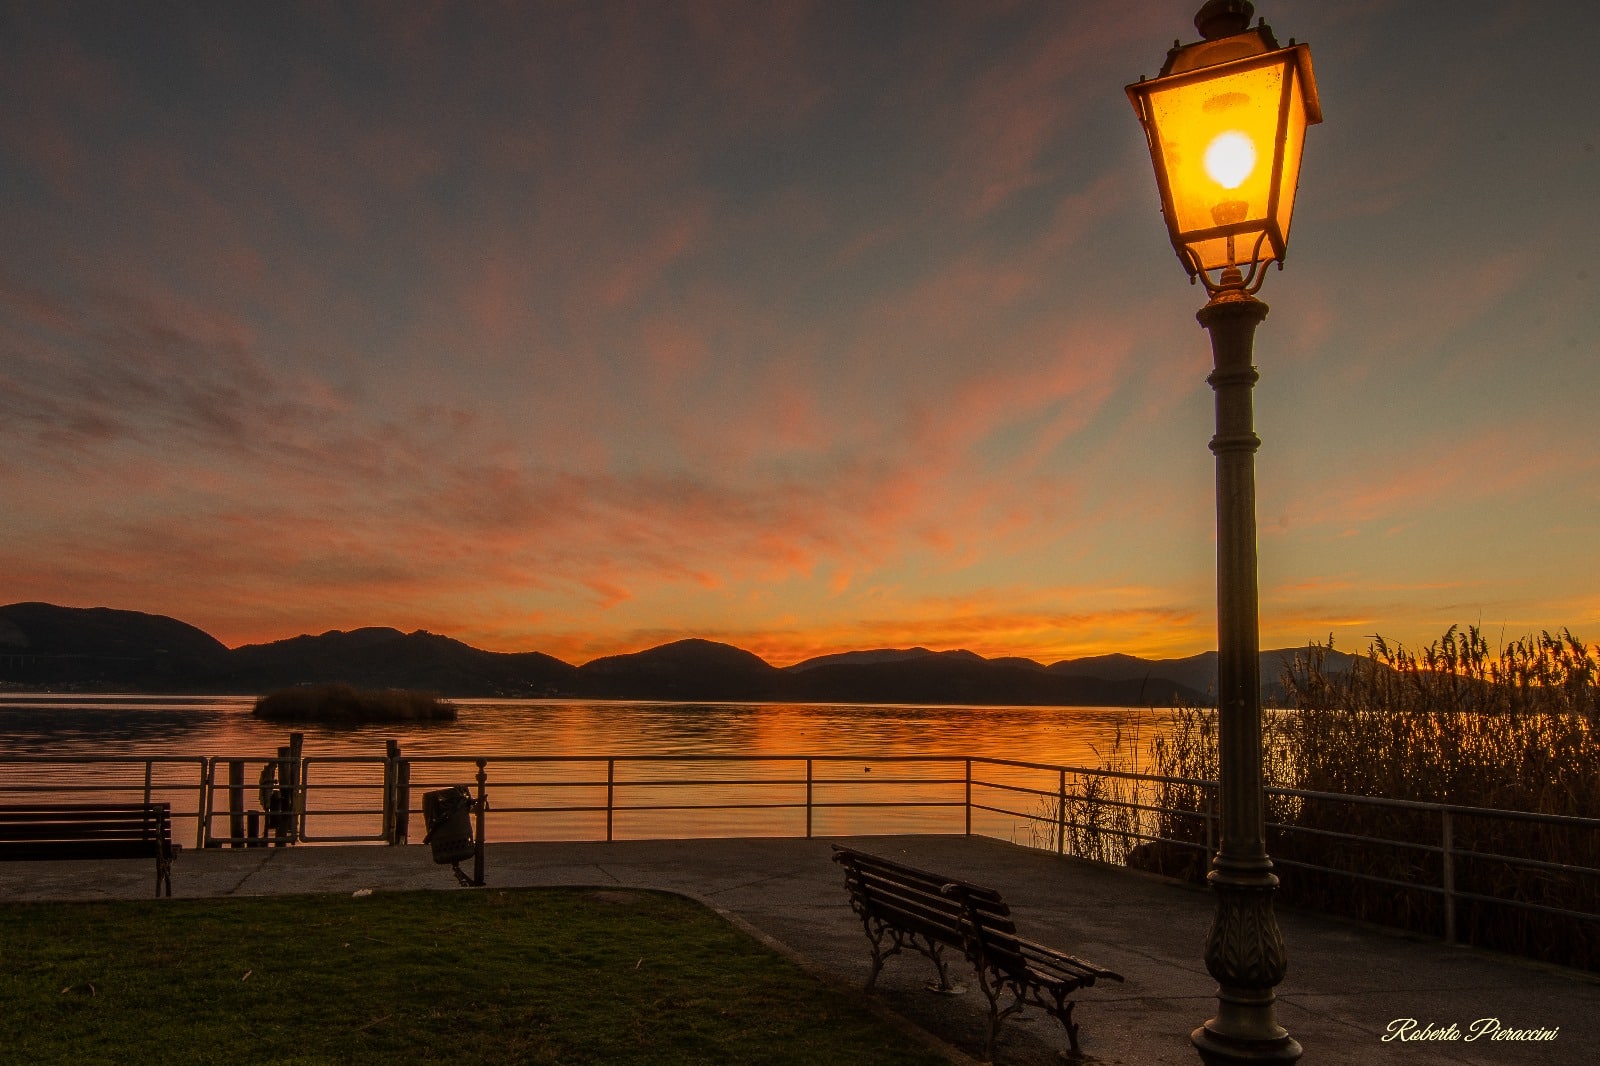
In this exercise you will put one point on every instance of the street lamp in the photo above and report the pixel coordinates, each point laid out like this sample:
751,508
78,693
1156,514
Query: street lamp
1226,121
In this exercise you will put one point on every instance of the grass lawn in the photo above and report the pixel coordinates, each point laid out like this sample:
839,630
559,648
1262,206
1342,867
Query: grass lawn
523,976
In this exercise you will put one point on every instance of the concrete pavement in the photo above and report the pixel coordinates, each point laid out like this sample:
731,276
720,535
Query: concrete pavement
1347,983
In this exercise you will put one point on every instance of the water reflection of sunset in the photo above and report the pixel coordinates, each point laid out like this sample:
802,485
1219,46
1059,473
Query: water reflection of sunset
557,754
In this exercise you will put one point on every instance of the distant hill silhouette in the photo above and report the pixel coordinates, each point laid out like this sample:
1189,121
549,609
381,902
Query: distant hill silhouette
963,677
683,670
388,658
1196,672
99,649
861,658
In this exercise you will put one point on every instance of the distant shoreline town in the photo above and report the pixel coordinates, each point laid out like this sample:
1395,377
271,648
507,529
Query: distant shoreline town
98,649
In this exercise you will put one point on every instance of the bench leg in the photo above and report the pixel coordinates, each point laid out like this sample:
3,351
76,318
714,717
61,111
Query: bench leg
936,953
1064,1012
997,1017
875,934
878,932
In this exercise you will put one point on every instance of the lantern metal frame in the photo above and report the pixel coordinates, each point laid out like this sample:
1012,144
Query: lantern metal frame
1214,59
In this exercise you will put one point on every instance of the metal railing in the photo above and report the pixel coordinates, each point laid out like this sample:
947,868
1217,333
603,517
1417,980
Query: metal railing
1119,823
181,780
1106,815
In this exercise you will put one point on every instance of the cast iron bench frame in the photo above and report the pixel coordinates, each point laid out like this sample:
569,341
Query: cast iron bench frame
903,907
90,831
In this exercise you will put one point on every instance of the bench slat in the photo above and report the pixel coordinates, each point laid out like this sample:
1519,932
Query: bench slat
82,831
70,808
79,849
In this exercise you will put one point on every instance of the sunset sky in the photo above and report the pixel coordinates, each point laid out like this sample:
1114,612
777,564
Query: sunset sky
806,327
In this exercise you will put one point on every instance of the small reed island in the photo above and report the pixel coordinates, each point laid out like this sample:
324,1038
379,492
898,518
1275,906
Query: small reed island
339,704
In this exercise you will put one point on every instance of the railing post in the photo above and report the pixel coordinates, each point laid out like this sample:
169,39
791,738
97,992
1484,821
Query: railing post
969,797
808,799
1447,835
1061,815
402,802
206,801
1210,817
611,795
391,773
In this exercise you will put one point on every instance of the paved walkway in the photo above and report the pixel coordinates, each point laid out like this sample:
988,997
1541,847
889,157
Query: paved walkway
1345,986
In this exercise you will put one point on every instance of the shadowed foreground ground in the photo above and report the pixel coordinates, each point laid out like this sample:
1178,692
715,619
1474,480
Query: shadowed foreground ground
1345,986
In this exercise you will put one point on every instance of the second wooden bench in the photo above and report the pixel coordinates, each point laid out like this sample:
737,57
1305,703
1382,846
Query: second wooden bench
901,906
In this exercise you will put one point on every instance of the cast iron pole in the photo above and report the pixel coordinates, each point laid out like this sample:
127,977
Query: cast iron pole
1244,948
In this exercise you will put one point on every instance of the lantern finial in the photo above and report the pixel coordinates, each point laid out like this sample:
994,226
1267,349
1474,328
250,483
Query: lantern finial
1223,18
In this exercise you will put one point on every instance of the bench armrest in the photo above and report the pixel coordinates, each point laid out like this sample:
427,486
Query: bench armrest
1064,965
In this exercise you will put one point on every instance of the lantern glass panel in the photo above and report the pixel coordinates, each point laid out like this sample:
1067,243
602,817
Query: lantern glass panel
1294,142
1217,137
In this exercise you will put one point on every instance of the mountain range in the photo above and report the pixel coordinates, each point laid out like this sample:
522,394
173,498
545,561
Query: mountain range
45,646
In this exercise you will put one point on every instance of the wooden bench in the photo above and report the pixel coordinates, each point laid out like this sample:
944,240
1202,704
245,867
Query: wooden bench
901,906
90,831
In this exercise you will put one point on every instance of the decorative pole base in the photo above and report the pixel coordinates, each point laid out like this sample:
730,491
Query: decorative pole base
1220,1051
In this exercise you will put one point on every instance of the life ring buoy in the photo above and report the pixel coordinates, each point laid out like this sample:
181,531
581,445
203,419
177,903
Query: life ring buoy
274,796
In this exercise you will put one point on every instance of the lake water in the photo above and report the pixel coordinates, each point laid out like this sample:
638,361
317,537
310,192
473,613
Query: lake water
748,761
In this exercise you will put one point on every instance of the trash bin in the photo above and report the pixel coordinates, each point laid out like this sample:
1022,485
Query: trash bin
448,814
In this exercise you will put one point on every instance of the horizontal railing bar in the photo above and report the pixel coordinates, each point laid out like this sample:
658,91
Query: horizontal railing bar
131,760
1045,793
1432,889
1003,810
1090,772
839,805
706,757
1531,864
692,782
623,782
501,809
857,781
130,786
634,807
1452,808
1541,907
1306,830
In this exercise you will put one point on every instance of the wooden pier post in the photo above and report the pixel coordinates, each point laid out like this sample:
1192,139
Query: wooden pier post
391,756
278,818
482,805
236,803
402,805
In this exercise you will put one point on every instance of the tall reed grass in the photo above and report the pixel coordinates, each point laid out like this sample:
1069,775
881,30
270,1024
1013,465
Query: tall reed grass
1515,729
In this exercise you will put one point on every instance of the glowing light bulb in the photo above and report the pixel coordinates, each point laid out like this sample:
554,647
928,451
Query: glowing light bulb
1229,159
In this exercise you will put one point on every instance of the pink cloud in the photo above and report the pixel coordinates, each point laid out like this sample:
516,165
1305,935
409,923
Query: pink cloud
1453,472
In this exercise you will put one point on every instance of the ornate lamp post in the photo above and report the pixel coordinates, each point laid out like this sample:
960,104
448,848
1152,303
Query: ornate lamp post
1226,121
